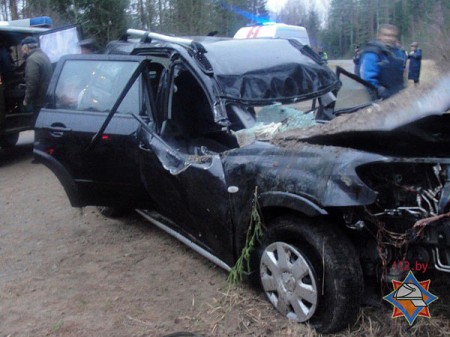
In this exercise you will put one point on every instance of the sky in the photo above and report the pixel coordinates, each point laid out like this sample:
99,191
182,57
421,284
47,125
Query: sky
321,5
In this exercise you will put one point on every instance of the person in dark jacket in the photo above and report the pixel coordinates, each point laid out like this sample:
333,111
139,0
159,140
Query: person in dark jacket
415,60
382,62
38,71
357,60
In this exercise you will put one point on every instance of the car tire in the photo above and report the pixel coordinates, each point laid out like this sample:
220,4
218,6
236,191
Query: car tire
9,141
114,212
310,272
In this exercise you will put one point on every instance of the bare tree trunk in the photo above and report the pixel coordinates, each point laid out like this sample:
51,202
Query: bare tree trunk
142,14
371,20
387,13
4,10
13,9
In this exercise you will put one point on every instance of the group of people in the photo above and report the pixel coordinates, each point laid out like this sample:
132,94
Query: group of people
383,62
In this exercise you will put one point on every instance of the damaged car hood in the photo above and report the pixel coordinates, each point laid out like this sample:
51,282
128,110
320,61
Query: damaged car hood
414,122
267,70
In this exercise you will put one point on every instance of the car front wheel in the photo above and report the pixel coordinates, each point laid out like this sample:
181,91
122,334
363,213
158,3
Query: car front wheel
310,272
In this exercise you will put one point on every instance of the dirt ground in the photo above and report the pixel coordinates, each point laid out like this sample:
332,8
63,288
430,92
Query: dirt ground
72,272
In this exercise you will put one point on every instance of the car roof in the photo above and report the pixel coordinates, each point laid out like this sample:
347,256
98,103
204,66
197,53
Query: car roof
256,70
275,68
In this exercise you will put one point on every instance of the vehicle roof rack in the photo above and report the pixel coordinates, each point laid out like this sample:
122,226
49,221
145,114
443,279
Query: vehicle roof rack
147,37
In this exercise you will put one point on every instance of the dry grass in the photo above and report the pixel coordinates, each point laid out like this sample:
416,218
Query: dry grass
241,311
429,72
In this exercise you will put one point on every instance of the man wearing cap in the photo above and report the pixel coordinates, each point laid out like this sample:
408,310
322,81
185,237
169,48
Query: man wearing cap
415,60
38,72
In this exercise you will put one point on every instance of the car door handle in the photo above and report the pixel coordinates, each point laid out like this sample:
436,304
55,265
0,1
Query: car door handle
58,130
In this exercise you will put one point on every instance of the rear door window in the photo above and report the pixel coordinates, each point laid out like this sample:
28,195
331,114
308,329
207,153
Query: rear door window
94,85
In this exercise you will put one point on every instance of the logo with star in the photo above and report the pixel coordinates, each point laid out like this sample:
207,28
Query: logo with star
411,298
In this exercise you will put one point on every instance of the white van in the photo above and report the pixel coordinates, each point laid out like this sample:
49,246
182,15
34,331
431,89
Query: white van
274,30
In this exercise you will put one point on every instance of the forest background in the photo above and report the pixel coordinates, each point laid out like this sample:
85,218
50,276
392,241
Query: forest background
344,25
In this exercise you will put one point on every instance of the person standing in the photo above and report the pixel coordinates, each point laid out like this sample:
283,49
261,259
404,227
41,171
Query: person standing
323,55
382,62
357,60
415,60
38,72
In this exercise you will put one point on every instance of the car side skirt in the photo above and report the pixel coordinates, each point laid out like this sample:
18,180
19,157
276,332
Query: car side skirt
156,219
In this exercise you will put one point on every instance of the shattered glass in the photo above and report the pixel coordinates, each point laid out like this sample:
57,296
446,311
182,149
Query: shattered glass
273,119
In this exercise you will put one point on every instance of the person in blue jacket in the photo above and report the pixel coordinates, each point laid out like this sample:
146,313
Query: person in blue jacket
382,62
415,60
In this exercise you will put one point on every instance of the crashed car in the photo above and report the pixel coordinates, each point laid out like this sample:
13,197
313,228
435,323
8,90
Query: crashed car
199,134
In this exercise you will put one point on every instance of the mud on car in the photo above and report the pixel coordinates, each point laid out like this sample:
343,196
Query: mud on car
191,131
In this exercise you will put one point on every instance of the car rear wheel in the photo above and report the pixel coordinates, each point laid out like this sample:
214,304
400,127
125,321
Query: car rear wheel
310,272
9,141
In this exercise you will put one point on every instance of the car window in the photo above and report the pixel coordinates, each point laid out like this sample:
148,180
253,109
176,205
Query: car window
130,103
92,85
353,94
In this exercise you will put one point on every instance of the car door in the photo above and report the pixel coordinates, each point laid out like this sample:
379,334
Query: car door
87,134
189,189
192,192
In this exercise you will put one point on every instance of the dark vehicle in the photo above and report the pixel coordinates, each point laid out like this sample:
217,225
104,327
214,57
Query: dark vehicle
188,131
14,117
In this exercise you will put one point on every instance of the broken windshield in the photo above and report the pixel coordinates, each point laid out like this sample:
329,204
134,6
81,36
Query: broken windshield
263,123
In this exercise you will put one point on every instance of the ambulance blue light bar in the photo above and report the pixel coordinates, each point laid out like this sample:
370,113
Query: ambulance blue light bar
38,22
41,21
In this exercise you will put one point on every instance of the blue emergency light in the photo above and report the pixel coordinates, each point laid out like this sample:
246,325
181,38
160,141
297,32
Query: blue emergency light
41,21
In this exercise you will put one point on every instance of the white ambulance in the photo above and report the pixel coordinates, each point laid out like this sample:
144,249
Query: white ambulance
274,30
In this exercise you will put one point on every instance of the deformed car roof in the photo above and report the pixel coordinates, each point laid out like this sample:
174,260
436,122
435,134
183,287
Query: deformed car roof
254,71
267,70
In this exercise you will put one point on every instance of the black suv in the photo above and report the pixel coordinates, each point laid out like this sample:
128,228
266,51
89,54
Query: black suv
201,134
